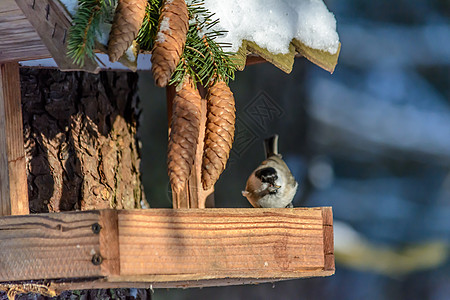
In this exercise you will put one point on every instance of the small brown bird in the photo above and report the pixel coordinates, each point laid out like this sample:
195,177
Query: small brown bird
271,184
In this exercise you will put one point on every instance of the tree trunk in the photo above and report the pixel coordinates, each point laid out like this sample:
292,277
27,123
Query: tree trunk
80,140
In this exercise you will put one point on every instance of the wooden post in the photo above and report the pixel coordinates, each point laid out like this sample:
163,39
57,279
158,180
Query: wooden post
13,177
194,196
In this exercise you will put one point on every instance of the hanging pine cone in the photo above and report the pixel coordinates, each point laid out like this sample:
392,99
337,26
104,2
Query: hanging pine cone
219,134
184,132
170,39
127,22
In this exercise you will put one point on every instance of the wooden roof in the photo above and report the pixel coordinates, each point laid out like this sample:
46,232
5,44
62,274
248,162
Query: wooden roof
19,40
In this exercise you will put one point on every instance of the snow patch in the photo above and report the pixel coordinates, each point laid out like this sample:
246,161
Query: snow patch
71,6
130,53
102,35
165,25
160,37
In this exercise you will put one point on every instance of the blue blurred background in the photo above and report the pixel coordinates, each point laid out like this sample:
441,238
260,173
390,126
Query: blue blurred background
371,140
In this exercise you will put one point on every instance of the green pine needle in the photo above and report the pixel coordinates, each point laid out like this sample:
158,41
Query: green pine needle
203,58
87,20
149,28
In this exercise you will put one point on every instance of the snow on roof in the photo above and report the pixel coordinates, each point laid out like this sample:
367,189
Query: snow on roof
272,24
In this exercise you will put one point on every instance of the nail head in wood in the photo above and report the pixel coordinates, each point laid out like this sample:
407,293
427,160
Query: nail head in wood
47,10
96,228
97,259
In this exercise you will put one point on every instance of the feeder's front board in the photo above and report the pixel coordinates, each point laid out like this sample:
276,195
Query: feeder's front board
52,23
167,247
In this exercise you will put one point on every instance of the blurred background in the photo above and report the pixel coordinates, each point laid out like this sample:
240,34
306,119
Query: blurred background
371,140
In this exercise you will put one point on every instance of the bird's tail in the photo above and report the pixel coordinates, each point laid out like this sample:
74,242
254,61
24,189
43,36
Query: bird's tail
271,146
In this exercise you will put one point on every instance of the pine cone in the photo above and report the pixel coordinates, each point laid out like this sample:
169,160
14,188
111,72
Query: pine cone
184,134
127,22
219,134
169,43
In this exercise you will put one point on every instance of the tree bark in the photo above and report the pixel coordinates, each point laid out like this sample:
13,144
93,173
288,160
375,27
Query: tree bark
82,150
80,140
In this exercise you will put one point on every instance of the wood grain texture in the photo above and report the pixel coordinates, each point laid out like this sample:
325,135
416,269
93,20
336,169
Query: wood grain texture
173,281
283,62
195,244
47,246
13,180
323,59
165,247
328,238
5,203
109,242
52,24
19,40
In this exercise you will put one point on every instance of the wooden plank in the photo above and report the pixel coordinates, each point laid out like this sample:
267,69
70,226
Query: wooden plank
283,62
59,286
18,186
13,177
109,242
19,40
165,247
47,246
328,238
323,59
52,24
18,190
146,282
195,244
5,203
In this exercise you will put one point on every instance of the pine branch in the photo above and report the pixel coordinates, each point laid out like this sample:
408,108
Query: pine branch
149,28
89,16
203,58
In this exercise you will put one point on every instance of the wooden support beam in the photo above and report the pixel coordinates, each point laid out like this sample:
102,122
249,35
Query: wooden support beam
13,177
5,203
167,248
52,23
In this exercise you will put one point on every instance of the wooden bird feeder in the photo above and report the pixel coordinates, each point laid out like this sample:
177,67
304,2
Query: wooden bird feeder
131,248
